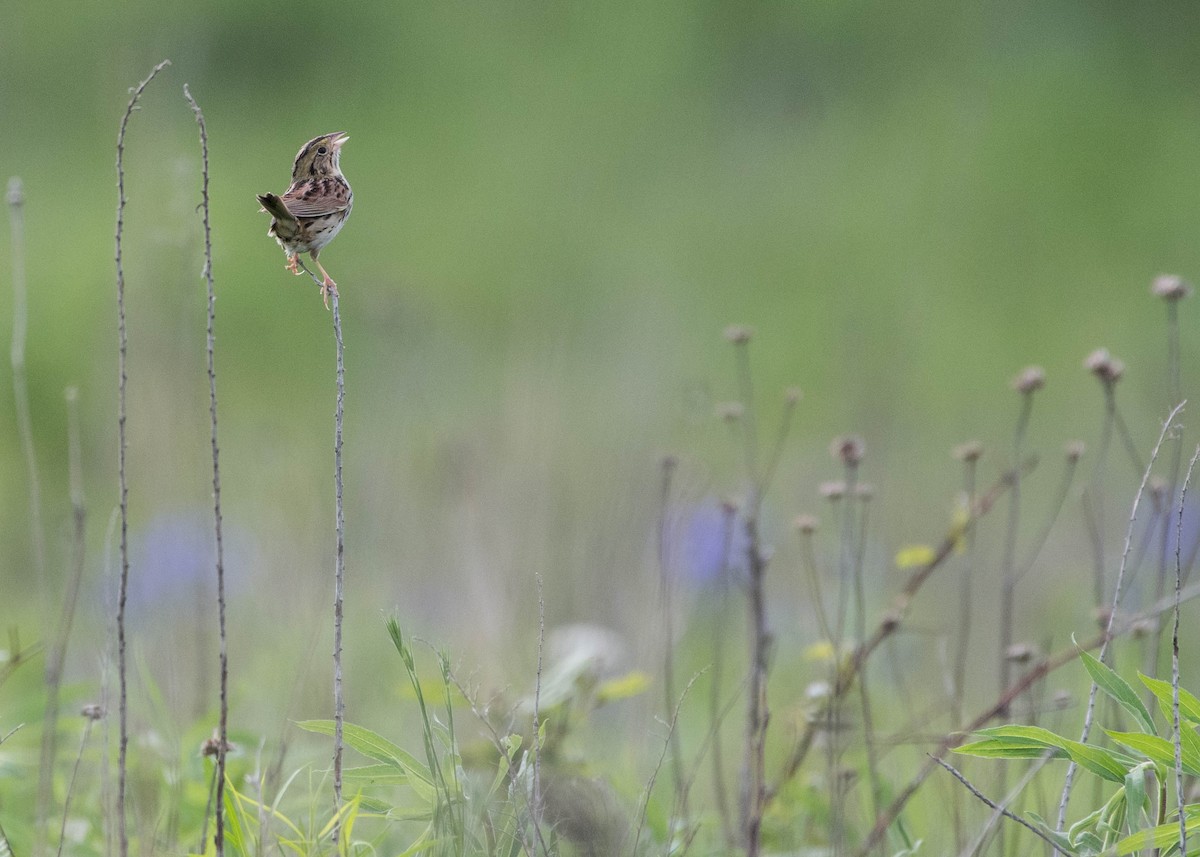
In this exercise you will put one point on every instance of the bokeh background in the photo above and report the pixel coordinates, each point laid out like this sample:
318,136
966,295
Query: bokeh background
558,208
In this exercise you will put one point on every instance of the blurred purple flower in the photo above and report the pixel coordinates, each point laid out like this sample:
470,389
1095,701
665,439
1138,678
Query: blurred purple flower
173,561
707,544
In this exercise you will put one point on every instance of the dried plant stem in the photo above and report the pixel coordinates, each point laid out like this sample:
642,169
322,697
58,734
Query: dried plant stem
537,714
123,344
16,204
716,710
754,789
965,601
210,350
37,533
1008,572
1176,734
339,572
666,595
57,654
87,731
991,803
891,621
1116,601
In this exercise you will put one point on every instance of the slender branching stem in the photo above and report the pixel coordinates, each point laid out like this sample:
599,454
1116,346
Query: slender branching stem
997,807
211,348
122,348
1168,425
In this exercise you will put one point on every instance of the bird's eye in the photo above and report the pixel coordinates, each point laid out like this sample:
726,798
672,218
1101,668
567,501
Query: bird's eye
321,150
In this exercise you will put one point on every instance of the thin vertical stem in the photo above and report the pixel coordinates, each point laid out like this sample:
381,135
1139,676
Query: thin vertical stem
537,713
122,348
665,571
223,725
56,657
1176,734
339,700
16,204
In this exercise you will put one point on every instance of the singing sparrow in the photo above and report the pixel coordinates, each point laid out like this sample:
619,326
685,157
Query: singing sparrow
311,212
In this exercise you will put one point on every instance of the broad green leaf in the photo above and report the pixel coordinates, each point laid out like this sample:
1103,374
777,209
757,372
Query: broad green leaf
1102,763
1158,750
993,748
1117,688
1163,836
373,746
383,775
1189,705
1061,842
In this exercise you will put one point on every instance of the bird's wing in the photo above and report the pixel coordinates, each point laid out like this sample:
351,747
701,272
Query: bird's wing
317,198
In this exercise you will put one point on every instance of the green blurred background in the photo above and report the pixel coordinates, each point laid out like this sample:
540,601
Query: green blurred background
558,208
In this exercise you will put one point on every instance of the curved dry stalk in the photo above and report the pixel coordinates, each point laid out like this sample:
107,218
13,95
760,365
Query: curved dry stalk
122,348
223,724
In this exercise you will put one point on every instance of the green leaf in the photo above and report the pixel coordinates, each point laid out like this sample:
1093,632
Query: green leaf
382,775
1163,836
992,748
1189,705
1060,841
1119,689
1103,763
373,746
1158,750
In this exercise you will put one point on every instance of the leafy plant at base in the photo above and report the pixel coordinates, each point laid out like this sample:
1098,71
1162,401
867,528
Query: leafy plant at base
1135,816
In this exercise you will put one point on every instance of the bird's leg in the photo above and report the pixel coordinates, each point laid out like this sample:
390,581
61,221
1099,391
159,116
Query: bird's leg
328,286
293,264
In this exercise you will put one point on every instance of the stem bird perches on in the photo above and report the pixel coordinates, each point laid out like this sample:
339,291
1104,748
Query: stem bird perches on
122,347
339,569
222,745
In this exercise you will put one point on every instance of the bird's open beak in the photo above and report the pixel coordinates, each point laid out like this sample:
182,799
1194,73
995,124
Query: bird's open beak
338,139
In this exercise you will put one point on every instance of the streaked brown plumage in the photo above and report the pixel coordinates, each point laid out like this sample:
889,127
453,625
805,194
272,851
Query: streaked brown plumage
311,212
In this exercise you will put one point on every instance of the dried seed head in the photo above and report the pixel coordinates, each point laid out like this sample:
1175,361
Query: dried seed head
1063,698
1104,366
731,412
1171,287
93,711
1030,380
972,450
848,448
806,524
890,621
1074,450
212,745
1020,653
864,491
834,490
738,334
792,395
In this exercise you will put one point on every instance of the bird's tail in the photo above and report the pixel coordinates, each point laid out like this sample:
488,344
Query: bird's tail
274,206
